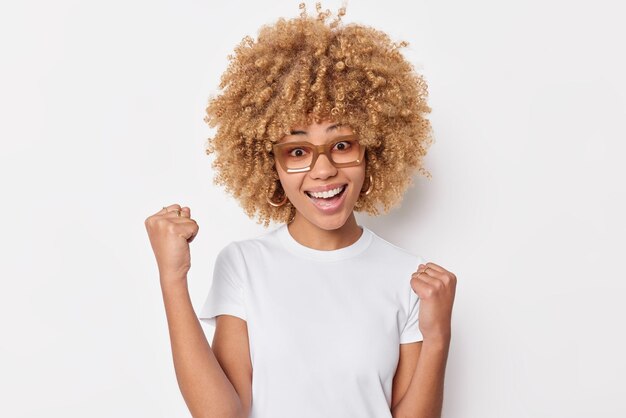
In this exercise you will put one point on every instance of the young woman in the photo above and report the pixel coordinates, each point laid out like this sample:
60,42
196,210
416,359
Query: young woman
319,317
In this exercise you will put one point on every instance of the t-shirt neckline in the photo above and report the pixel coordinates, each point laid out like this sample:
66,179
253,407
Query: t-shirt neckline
351,250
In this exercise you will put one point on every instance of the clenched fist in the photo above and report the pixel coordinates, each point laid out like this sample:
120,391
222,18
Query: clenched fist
435,287
171,230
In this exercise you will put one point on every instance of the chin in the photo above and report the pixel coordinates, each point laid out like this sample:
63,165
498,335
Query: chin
326,222
331,224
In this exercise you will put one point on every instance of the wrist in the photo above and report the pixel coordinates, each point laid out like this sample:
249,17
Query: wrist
169,283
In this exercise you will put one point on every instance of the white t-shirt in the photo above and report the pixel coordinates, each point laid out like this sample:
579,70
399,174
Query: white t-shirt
324,326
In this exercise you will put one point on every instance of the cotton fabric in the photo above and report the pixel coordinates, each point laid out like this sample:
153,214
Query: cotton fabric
324,326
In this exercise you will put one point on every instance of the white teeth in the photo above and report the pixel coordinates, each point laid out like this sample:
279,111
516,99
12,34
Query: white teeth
327,194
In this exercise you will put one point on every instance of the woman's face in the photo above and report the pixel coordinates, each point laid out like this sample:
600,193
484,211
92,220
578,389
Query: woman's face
324,213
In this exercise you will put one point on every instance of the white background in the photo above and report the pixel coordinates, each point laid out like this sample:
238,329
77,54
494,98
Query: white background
101,109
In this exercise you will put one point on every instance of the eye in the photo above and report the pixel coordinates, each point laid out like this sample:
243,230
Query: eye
299,151
342,145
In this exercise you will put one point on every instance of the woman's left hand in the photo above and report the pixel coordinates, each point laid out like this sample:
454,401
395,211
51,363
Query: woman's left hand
435,287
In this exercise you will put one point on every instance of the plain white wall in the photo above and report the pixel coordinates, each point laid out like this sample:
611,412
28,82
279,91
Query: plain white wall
102,104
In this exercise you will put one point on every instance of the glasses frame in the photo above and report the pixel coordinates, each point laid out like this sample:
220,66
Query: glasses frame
317,150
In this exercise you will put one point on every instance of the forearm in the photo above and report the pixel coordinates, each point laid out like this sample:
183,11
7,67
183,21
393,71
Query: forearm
424,396
203,384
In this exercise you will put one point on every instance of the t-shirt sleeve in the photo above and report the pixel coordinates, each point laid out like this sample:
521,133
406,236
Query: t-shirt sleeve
226,295
411,332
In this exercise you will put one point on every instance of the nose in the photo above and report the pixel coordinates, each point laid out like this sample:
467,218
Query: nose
323,167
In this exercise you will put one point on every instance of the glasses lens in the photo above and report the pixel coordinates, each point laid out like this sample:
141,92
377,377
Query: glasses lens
296,156
345,151
299,156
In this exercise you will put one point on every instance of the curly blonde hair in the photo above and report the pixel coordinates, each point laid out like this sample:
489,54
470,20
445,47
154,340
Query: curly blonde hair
306,69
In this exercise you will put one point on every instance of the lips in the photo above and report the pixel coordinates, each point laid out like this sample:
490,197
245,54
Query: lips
329,205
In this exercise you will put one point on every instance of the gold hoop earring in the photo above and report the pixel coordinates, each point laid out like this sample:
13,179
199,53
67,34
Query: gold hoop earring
292,215
369,189
279,204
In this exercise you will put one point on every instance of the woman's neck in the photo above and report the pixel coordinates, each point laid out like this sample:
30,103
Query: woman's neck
312,236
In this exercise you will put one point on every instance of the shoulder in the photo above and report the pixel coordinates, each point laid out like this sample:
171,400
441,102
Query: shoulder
391,252
243,252
230,254
263,241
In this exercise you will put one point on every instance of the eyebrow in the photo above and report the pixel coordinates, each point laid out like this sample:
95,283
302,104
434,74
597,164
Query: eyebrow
330,128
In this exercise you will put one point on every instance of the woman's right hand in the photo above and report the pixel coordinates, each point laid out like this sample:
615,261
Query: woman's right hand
170,236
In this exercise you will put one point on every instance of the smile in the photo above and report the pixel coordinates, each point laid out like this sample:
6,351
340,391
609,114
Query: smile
328,201
327,194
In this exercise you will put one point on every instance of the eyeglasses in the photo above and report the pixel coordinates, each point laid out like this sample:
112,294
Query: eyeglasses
299,157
